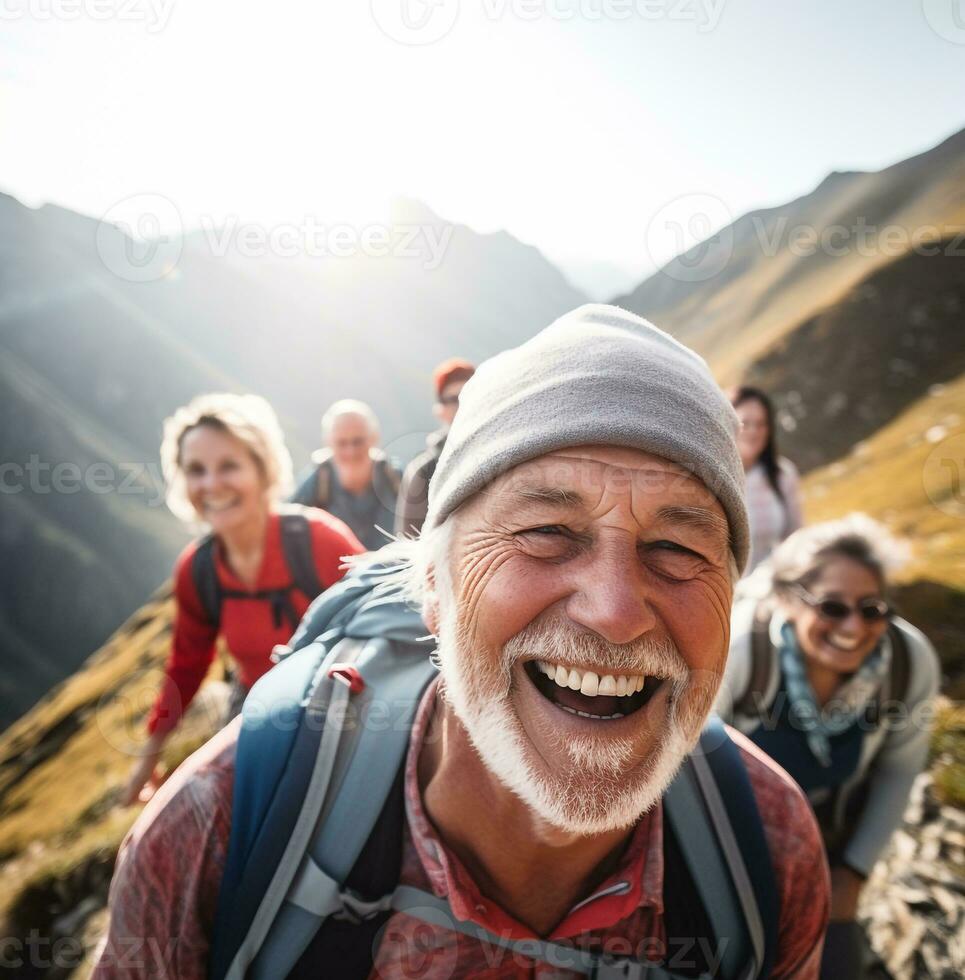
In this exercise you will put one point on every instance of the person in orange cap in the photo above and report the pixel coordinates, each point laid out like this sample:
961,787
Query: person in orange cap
448,378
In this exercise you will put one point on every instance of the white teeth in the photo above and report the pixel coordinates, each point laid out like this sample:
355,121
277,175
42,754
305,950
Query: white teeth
586,714
842,643
590,683
219,504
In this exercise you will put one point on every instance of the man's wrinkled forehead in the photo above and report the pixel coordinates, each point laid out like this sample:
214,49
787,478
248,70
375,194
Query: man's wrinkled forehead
590,471
577,479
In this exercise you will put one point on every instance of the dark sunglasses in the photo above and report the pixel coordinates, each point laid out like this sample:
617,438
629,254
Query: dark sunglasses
354,442
870,610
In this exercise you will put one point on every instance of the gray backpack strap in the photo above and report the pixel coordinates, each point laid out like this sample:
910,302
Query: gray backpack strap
357,763
717,866
323,483
427,907
763,664
328,700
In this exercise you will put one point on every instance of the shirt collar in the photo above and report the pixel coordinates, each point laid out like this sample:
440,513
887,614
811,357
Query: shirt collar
636,882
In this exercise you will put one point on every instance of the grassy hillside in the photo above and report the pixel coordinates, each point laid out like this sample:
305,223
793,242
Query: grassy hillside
61,768
840,375
899,477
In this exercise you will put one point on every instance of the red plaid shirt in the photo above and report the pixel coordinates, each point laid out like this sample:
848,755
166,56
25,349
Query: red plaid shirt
165,887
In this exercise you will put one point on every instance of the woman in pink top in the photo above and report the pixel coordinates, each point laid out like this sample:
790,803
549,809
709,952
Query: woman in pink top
773,485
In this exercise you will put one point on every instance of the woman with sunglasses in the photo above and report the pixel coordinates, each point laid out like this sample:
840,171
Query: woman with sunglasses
828,681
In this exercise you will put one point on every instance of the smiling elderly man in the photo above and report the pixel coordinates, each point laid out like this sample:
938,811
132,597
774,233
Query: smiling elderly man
586,526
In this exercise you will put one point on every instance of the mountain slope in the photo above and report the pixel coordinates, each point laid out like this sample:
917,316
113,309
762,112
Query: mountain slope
736,294
837,377
91,363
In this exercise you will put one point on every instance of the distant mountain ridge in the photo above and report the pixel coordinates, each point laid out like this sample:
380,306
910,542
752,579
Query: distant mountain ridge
90,365
734,295
843,334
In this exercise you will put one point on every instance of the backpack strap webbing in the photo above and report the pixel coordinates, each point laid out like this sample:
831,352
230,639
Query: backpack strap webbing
323,483
296,543
390,475
727,787
205,578
350,940
762,663
900,673
302,833
274,757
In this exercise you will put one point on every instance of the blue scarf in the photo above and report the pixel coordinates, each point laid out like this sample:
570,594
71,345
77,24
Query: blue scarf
842,710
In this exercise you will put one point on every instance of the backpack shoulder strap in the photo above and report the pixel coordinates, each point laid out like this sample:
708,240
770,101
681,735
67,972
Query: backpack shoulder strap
323,483
900,671
204,574
714,817
390,474
762,663
296,542
273,763
305,817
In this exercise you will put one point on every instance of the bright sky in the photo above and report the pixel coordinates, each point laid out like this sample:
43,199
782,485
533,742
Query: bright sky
573,124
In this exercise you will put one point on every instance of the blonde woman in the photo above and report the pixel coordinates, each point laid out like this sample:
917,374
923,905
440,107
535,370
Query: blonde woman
251,578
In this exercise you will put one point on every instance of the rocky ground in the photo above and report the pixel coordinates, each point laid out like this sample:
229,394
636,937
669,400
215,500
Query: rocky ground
913,907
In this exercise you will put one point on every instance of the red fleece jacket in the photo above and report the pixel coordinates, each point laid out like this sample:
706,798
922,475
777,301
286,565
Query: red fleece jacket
246,624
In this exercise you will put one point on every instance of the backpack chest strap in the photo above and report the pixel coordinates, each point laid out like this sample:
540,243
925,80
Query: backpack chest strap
436,911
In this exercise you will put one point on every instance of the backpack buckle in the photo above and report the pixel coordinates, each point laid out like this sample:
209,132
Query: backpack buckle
348,674
356,910
619,969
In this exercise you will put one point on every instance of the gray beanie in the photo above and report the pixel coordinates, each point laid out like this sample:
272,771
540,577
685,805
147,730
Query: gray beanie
597,376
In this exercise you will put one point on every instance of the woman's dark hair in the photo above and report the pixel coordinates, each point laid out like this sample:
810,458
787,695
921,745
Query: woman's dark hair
769,456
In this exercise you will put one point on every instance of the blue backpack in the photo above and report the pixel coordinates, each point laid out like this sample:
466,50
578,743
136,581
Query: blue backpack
314,857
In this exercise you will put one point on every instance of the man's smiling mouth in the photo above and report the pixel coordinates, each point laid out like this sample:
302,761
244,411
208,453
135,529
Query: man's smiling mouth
600,697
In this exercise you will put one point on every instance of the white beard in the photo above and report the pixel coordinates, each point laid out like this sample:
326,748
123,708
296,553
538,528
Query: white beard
598,792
